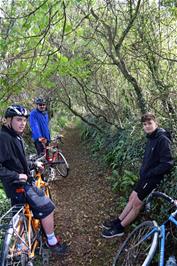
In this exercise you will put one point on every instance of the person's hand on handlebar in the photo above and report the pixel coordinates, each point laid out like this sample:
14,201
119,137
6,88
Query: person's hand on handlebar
43,140
39,165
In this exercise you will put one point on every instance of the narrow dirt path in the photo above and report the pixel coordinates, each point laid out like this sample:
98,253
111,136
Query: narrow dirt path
83,200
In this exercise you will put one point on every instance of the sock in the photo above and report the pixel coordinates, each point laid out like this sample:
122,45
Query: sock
118,224
121,226
118,220
51,239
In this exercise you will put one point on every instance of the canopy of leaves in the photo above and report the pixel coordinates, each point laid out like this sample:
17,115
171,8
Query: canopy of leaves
110,60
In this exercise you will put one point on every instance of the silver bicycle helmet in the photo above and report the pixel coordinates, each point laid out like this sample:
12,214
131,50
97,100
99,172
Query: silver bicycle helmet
40,101
16,110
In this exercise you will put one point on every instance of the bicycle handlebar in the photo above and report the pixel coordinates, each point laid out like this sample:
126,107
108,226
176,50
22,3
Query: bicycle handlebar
58,137
34,157
158,194
19,182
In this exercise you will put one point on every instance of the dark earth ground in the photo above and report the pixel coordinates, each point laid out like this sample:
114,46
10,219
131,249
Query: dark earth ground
83,200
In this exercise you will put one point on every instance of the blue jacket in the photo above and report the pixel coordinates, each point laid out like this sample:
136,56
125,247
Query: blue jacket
39,124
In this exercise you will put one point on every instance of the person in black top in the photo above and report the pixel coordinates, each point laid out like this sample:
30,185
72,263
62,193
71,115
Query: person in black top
14,168
156,163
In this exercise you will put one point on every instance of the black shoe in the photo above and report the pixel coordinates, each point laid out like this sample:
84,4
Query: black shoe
113,232
58,249
110,224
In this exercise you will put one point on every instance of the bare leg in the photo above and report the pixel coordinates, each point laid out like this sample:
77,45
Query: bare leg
52,241
128,207
48,223
133,213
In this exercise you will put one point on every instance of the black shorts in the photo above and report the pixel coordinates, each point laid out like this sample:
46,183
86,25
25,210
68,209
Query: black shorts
40,204
145,186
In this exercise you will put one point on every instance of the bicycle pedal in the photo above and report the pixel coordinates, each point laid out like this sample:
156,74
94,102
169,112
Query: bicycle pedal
45,253
45,262
37,251
45,257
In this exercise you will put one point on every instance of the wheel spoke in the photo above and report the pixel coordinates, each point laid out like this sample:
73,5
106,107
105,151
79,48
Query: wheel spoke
135,249
62,167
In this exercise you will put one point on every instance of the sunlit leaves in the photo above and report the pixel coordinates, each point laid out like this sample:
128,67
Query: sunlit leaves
47,39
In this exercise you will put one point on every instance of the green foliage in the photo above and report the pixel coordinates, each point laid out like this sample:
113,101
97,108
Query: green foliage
123,152
122,183
121,149
169,186
4,202
58,122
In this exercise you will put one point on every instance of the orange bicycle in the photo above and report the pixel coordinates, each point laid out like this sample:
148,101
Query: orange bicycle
23,234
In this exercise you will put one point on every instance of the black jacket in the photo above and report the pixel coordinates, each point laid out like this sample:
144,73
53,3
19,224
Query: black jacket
157,159
12,159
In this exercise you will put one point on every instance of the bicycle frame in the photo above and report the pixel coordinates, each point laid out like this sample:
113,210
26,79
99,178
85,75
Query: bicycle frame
54,147
32,224
20,228
53,156
161,239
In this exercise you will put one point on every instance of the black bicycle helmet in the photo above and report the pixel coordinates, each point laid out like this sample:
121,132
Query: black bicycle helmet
40,101
16,110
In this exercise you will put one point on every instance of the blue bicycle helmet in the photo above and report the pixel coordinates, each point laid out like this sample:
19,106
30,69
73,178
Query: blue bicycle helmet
40,101
16,110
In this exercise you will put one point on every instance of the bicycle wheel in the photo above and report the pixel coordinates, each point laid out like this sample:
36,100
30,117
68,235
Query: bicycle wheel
10,255
135,251
61,166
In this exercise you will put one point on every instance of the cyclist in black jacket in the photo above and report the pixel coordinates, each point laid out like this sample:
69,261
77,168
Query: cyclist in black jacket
14,168
156,163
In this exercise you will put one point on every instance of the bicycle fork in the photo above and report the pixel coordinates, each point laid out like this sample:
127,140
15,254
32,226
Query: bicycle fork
162,245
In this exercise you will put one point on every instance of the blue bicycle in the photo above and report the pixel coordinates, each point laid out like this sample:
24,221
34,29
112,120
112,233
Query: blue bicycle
140,246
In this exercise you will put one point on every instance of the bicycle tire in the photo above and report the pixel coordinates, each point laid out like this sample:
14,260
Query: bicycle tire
134,251
9,254
61,165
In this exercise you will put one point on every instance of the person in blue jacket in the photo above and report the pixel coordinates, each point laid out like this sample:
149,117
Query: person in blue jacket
39,123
